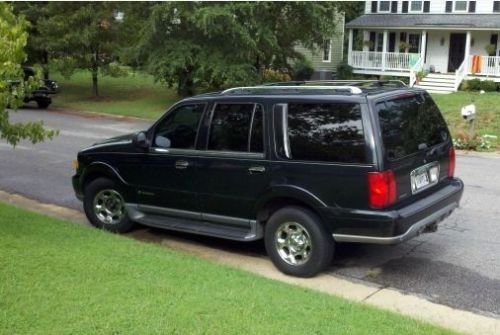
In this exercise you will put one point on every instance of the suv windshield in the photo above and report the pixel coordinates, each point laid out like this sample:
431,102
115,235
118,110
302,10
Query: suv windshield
410,123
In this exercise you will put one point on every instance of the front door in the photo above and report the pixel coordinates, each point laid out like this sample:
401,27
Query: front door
457,51
168,172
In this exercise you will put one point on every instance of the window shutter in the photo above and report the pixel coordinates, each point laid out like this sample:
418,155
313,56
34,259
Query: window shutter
394,7
427,6
449,6
374,6
496,6
472,6
494,41
405,7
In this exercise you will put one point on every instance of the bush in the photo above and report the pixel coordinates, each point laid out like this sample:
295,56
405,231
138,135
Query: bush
271,76
302,70
344,71
478,85
464,141
489,86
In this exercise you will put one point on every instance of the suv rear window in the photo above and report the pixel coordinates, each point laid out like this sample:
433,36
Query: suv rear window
409,124
329,132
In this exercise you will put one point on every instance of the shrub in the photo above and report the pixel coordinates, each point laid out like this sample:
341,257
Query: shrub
344,71
302,70
478,85
489,86
270,76
464,141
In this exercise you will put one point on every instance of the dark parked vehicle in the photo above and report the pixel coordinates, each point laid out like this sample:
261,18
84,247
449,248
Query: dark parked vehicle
41,95
303,165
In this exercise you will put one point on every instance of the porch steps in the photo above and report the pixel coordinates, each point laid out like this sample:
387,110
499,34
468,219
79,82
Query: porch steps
438,83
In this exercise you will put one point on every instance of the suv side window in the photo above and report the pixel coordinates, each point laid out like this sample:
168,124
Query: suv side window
328,132
179,128
236,127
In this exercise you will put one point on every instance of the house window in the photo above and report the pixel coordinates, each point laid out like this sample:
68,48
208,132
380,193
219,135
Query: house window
416,6
384,6
327,51
460,6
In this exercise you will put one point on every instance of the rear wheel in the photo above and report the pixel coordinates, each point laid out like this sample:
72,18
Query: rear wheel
43,104
105,207
297,243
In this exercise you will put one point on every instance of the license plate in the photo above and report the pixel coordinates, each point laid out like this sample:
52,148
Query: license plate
424,176
421,180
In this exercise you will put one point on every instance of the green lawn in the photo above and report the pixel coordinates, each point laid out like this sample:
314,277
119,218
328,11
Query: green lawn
58,277
135,95
487,107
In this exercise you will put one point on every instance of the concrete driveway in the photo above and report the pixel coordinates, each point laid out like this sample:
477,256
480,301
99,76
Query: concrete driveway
458,266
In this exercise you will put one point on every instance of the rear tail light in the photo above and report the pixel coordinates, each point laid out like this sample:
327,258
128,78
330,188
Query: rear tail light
381,188
451,162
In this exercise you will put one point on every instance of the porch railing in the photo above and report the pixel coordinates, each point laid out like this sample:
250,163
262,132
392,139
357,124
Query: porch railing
384,61
414,70
461,72
488,66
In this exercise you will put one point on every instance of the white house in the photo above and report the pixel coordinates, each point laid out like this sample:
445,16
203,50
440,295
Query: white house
452,40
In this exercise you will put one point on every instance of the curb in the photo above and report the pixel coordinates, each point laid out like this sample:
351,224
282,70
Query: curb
371,294
89,114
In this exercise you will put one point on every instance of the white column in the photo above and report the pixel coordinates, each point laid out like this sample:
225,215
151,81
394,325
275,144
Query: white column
384,50
349,48
423,44
467,50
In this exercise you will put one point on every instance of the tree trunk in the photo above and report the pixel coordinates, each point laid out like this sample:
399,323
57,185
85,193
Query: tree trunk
95,88
95,69
45,65
185,86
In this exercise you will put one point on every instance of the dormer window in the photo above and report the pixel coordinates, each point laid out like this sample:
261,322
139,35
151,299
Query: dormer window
416,6
384,6
460,6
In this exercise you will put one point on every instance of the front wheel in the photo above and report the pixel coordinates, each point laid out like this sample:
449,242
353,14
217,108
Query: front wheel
297,242
105,207
42,104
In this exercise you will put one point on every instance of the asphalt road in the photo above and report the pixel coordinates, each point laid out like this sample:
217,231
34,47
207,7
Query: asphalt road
457,266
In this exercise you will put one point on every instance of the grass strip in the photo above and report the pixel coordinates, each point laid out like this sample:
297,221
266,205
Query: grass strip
58,277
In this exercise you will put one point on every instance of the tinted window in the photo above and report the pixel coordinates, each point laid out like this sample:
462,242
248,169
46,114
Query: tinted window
178,129
230,128
326,132
409,123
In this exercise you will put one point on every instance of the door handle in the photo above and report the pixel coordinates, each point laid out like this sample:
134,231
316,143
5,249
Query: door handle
181,164
256,169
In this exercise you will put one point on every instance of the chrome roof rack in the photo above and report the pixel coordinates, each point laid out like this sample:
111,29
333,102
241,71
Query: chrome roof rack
353,82
351,89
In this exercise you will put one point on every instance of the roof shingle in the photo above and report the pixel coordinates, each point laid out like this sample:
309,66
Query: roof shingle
429,21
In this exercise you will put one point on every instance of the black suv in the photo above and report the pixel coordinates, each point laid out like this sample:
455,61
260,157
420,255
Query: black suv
303,166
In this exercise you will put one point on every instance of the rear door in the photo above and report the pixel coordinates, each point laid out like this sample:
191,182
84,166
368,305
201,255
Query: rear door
233,170
415,142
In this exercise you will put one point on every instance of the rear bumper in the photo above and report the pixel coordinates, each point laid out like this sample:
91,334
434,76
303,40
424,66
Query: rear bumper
396,226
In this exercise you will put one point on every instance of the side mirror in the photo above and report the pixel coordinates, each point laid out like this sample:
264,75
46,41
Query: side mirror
140,140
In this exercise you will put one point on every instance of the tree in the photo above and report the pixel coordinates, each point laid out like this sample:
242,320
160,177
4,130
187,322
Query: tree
82,35
13,39
213,44
36,48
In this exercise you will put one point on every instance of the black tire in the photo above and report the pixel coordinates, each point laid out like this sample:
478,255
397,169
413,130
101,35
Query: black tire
321,243
104,187
42,104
